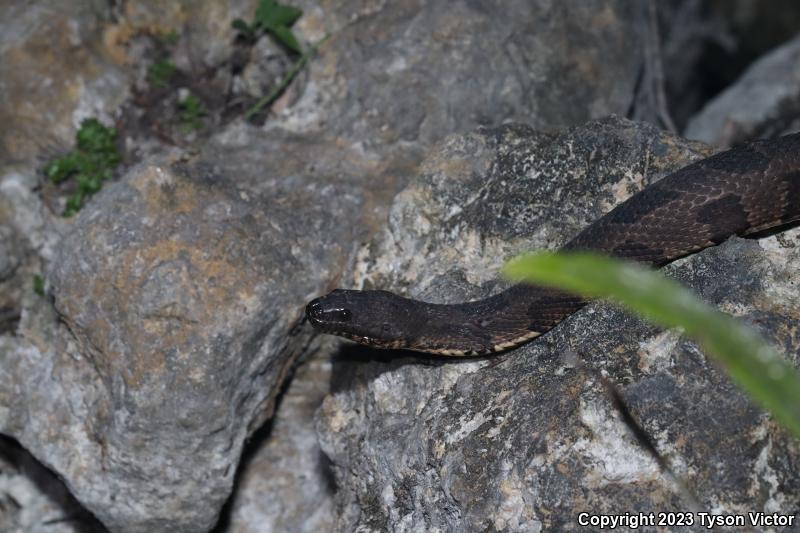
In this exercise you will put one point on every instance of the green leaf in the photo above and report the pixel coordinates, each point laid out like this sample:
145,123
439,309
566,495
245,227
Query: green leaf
93,137
286,38
190,111
271,14
74,204
63,167
161,72
91,163
38,284
752,363
242,26
277,19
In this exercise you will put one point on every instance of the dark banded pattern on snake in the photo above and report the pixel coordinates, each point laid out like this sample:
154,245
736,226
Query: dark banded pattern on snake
742,191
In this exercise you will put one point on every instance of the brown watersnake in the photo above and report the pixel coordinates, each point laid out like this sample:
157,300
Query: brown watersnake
742,191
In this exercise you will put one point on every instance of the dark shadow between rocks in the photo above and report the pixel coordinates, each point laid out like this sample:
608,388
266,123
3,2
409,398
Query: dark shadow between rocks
262,438
327,472
259,438
50,485
350,360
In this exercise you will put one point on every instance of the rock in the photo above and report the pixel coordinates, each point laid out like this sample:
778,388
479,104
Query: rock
33,500
527,440
28,234
54,76
759,104
284,482
177,289
412,72
707,46
12,255
266,68
22,209
539,190
204,32
179,316
9,260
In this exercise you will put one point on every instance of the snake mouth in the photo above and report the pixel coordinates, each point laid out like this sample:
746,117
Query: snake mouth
314,313
337,320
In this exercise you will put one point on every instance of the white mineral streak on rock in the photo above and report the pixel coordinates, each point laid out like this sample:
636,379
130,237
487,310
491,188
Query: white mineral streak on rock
782,262
655,353
612,452
515,512
765,478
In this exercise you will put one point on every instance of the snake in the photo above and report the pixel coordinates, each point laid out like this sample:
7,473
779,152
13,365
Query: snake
749,189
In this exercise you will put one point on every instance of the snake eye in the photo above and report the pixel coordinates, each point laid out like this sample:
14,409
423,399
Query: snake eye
386,327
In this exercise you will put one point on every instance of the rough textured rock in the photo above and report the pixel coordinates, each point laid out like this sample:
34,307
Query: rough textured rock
180,287
203,30
486,196
54,74
708,45
14,258
28,237
180,310
526,441
413,71
764,102
285,483
33,500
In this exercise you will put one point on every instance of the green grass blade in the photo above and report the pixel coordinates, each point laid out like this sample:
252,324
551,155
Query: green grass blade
753,364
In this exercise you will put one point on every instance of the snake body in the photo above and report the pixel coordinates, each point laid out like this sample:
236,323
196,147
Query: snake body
745,190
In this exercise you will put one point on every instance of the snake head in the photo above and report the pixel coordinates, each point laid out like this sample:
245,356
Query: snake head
367,317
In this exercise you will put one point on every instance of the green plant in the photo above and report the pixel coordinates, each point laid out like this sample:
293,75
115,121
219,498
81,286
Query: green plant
752,363
91,163
161,72
287,79
275,19
190,113
38,284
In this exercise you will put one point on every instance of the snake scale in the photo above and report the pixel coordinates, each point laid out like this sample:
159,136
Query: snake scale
745,190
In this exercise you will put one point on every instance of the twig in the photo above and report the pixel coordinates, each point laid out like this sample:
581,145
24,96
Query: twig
656,61
287,79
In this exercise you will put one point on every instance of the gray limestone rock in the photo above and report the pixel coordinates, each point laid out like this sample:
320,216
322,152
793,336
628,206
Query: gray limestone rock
34,500
402,75
177,288
764,102
285,483
54,74
28,236
266,68
180,294
529,439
